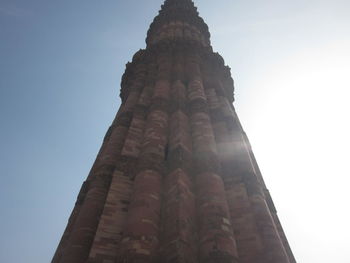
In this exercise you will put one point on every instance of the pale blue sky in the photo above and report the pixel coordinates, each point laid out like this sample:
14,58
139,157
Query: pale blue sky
60,67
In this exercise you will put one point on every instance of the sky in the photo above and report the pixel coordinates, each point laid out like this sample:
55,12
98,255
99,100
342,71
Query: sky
60,68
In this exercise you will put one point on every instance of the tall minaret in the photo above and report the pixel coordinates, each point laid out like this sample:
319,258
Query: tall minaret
175,180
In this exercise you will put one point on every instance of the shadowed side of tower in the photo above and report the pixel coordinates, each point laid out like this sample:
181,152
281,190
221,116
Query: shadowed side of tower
175,180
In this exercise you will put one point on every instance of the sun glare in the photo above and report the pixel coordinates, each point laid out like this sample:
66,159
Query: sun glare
300,135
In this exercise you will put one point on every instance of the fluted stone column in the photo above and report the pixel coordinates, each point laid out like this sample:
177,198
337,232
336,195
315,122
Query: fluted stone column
178,240
141,239
92,200
175,180
216,240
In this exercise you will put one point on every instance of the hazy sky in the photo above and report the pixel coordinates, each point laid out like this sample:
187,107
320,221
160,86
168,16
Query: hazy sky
60,69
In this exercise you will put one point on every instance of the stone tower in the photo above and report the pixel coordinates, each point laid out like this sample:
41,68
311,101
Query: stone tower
175,180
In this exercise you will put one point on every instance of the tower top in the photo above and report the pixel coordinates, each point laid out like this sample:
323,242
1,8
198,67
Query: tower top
178,20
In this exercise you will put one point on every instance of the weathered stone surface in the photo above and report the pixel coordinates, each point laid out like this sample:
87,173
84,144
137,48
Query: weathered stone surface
113,219
175,180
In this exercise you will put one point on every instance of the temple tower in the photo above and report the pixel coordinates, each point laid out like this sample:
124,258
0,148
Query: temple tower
175,180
